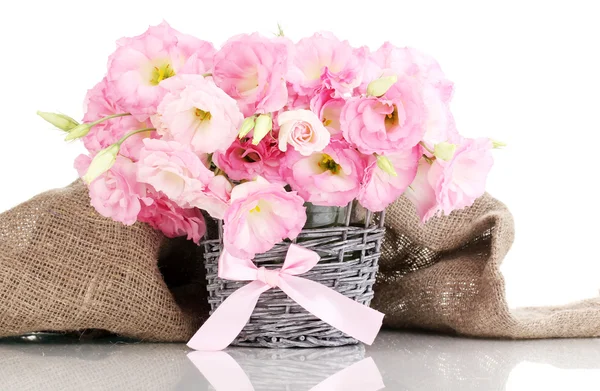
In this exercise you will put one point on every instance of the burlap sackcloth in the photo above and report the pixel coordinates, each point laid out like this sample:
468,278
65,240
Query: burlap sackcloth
65,268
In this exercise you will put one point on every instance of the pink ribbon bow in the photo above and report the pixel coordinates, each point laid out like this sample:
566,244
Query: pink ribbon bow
225,374
346,315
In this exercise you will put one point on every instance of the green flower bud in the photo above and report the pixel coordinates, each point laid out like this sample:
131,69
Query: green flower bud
386,165
498,144
61,121
82,130
102,162
78,132
279,31
264,124
247,126
380,86
444,151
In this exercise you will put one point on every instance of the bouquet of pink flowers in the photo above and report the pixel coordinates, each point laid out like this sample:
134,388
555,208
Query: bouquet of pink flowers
252,132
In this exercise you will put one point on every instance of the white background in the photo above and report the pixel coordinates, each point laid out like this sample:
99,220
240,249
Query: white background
525,72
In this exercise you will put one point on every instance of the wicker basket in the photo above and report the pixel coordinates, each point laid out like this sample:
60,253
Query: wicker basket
349,262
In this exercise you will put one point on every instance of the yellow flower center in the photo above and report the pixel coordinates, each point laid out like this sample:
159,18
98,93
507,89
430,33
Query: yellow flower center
391,120
327,122
328,164
256,209
203,115
161,73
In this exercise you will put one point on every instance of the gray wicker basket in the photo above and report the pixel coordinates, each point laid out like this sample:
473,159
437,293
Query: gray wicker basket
349,262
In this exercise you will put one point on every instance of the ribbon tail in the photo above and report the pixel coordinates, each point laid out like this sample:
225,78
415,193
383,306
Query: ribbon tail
221,371
348,316
229,319
362,376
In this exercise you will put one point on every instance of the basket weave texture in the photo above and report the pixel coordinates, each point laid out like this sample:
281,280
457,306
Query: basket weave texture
349,264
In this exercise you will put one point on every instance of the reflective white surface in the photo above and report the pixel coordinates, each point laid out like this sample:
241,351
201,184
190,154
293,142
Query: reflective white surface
405,360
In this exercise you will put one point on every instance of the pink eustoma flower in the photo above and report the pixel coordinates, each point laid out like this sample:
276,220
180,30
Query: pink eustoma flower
245,161
329,109
389,124
422,194
117,194
251,69
329,178
436,88
215,199
138,67
410,62
296,101
173,221
176,171
324,61
81,164
379,188
445,186
198,113
173,169
261,215
99,104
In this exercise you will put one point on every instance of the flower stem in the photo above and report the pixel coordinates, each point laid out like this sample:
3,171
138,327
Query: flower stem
108,117
428,159
122,140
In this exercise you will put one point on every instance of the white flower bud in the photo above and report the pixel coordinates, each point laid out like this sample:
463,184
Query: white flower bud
264,124
102,162
444,151
380,86
247,126
61,121
386,165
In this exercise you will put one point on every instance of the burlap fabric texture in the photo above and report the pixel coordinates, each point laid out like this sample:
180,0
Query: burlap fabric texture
65,268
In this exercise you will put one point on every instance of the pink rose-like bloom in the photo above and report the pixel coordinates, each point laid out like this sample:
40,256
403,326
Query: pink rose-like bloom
117,194
140,64
391,123
164,215
173,169
328,109
445,186
329,178
324,61
245,161
99,104
261,215
200,114
303,130
380,189
251,69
